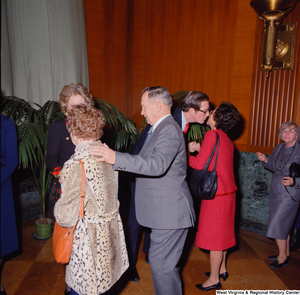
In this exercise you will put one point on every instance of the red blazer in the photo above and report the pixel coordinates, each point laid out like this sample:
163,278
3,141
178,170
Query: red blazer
226,181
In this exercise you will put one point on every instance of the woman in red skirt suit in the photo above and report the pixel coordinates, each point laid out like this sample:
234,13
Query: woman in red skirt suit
216,219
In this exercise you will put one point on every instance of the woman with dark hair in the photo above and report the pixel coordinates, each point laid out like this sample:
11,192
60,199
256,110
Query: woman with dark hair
216,219
284,191
99,255
60,146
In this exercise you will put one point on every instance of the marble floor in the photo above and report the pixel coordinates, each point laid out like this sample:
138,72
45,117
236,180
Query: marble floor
35,272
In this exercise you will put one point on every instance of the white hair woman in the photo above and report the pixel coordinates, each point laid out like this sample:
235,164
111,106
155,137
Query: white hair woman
283,192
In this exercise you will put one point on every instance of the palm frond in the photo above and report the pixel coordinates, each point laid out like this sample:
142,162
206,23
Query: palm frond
51,111
32,124
197,132
31,142
123,130
114,117
15,108
180,95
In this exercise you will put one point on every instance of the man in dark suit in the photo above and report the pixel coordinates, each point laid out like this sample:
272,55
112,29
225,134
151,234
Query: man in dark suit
194,108
163,201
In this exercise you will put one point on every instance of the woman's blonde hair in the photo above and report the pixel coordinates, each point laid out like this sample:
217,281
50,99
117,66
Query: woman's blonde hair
74,89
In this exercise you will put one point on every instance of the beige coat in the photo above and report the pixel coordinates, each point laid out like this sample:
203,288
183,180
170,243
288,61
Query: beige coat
99,255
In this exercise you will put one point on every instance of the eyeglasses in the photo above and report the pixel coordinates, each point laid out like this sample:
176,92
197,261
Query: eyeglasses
288,130
204,112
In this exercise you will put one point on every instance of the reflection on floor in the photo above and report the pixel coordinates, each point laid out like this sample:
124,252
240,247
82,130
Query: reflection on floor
35,272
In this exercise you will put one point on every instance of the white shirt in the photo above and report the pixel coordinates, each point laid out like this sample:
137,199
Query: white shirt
183,121
159,120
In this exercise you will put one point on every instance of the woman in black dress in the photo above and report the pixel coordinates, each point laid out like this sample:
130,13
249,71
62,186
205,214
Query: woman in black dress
284,191
60,146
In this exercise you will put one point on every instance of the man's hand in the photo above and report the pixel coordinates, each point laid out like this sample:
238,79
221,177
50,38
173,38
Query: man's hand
194,147
105,154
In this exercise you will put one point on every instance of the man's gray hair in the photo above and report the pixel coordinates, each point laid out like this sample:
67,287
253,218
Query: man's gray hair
159,93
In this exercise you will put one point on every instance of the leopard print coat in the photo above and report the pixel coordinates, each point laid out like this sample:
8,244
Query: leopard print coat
99,255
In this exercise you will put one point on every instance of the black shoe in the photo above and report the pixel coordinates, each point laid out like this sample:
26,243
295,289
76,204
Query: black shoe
147,259
133,275
277,265
216,286
223,275
274,257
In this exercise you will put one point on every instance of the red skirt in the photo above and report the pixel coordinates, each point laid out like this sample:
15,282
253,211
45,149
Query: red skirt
216,223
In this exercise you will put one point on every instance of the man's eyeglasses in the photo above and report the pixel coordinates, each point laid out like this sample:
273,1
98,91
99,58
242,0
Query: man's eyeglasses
204,112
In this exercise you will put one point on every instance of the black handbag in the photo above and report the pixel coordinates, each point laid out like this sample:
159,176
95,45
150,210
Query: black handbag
294,171
203,183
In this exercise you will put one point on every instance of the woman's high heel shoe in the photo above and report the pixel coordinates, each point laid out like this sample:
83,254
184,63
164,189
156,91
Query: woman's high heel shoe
216,286
223,275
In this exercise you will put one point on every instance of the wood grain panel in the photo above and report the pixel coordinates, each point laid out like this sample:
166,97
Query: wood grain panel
208,45
106,25
203,45
275,99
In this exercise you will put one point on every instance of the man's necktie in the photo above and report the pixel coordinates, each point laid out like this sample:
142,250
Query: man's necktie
186,128
149,133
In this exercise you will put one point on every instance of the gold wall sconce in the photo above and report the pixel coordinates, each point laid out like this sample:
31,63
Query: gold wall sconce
278,40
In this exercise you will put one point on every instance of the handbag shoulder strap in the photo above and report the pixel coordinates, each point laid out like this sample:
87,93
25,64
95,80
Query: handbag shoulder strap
218,142
82,189
212,154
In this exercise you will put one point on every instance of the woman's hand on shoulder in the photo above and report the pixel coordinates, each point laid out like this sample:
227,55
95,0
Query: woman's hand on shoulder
261,157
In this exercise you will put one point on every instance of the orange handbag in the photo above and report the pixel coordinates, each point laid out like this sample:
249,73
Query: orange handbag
62,240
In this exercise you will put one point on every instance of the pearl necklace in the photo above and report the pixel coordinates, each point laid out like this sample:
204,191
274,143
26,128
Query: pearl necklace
287,159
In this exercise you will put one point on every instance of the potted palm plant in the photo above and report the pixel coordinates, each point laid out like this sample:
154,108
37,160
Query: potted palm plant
32,124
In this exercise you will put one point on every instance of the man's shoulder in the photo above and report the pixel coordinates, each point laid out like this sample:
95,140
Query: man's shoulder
169,123
169,120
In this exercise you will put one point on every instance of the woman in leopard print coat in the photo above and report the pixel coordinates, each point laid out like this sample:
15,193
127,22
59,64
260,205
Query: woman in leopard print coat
99,255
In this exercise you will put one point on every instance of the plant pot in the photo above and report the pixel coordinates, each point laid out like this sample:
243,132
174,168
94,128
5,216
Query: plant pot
43,231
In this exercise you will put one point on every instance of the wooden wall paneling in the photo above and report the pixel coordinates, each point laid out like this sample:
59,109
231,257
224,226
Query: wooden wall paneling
240,82
296,82
129,50
194,45
275,99
138,59
206,45
185,45
106,25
